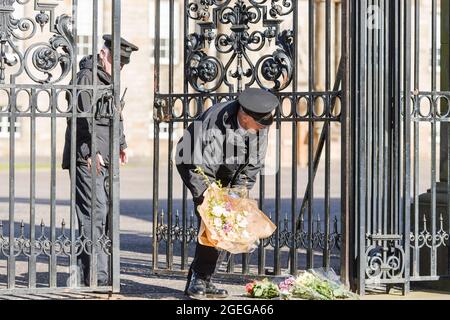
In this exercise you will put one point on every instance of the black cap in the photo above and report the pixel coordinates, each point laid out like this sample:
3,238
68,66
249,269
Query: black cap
259,104
126,48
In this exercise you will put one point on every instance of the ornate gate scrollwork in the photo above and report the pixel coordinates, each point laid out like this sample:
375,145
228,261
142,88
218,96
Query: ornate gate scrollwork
206,73
385,258
42,58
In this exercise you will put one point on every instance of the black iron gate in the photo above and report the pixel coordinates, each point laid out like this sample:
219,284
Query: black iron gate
39,48
297,49
401,142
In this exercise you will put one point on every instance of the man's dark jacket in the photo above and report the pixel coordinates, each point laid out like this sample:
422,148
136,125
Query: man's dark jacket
104,105
219,119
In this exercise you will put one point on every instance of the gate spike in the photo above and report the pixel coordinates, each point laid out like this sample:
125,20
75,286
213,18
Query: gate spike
63,226
42,228
82,229
177,218
191,220
335,225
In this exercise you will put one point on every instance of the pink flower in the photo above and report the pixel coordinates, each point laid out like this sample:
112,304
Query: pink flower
287,284
228,206
227,227
249,287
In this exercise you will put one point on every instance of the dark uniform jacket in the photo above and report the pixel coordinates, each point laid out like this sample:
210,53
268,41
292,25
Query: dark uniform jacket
104,106
238,170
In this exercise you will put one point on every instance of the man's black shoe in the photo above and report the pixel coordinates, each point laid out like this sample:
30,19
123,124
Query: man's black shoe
197,287
213,292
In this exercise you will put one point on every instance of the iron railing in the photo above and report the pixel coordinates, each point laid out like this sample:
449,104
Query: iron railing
231,45
33,69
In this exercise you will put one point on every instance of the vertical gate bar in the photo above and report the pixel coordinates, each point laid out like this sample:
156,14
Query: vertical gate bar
378,130
390,118
353,99
386,109
277,265
114,210
184,248
311,103
12,194
380,114
393,84
94,236
293,247
371,127
169,245
444,86
398,121
156,136
261,249
416,260
434,133
370,104
345,144
32,258
53,257
155,194
293,101
73,152
407,142
361,82
326,248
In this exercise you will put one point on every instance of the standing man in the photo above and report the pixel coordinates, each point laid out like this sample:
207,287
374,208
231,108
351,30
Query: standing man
229,142
103,108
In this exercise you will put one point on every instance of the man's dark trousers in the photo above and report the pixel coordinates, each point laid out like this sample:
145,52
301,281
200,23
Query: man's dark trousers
205,259
83,209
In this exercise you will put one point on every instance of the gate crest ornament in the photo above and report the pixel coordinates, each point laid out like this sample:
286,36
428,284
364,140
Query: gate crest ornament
273,71
45,57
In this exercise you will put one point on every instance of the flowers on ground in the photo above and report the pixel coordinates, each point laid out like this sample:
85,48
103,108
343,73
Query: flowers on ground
264,289
311,285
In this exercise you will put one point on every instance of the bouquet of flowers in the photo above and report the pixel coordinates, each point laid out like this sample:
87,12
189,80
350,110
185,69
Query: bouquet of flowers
262,289
315,284
229,221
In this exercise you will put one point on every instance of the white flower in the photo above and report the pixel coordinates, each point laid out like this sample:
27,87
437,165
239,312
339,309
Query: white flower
218,222
218,211
243,223
226,213
245,234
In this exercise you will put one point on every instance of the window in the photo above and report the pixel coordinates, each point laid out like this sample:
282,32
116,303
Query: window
165,31
438,43
5,127
438,59
164,131
84,45
85,27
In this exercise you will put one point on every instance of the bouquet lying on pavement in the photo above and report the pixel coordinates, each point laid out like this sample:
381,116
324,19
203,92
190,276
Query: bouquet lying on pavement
317,284
230,221
262,289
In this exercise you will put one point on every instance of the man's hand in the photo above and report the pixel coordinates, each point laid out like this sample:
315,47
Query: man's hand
100,163
123,157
